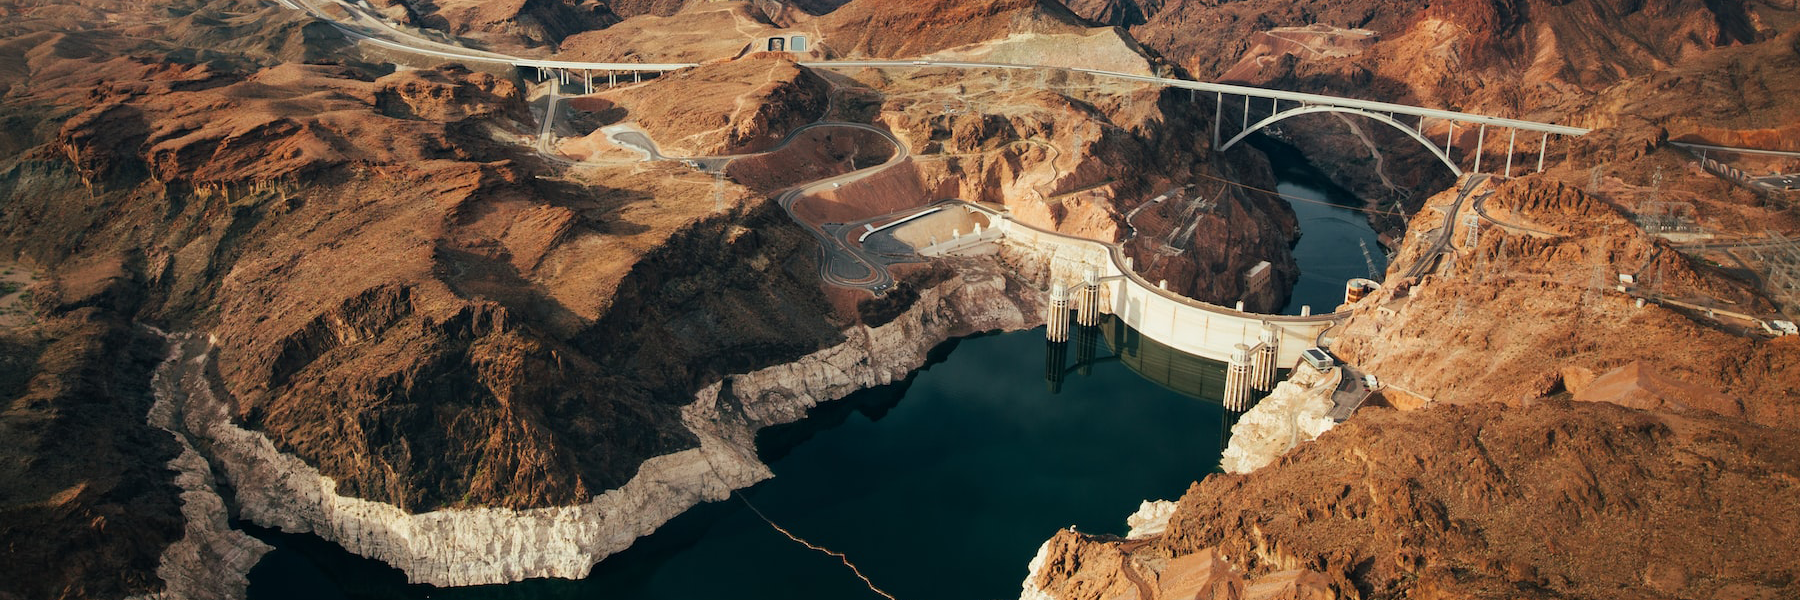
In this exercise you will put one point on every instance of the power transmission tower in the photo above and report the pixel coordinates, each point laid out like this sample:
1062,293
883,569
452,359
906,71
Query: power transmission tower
1472,224
1590,298
719,191
1656,185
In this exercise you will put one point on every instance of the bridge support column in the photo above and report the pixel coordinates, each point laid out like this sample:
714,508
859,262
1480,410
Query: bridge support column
1056,322
1087,308
1246,124
1237,380
1450,140
612,79
1218,115
1509,151
1262,365
1543,144
637,77
1480,139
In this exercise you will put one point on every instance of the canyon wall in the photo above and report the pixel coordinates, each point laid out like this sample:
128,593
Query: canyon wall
1458,501
451,547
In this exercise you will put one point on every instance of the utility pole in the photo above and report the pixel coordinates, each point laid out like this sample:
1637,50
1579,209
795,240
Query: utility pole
719,191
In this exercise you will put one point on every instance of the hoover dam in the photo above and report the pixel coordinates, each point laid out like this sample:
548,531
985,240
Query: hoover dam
1048,299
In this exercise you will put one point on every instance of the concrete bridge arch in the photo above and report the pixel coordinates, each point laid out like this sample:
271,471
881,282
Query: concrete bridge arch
1325,108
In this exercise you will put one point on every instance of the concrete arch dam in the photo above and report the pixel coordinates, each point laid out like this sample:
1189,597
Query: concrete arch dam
1198,328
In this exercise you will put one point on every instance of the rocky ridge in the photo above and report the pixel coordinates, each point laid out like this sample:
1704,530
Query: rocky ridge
1434,504
452,547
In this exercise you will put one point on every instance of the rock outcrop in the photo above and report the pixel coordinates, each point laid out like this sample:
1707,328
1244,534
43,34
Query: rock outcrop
1293,413
450,547
86,503
1505,319
1545,501
212,559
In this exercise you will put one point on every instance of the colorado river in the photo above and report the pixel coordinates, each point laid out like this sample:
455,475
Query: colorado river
1333,232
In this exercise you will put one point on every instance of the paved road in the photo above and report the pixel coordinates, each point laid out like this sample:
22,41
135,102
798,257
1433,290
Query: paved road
1789,153
841,263
1481,210
373,29
1426,261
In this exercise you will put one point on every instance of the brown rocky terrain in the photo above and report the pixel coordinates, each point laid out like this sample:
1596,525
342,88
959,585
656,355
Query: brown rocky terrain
1570,442
1551,500
769,96
384,264
1519,310
700,32
88,504
407,298
1565,62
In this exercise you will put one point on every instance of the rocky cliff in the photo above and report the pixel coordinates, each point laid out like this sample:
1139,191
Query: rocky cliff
1545,399
1551,500
87,505
467,546
1578,63
1503,320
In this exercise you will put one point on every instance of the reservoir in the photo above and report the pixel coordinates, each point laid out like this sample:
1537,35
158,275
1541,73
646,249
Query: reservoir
941,486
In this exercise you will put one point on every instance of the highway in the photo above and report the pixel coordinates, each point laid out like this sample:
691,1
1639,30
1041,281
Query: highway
1788,153
1425,261
408,42
841,263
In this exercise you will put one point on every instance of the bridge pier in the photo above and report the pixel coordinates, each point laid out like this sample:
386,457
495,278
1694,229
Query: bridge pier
1087,300
1237,380
1543,145
1480,139
1262,365
637,77
1056,322
1218,116
1509,151
612,79
1450,139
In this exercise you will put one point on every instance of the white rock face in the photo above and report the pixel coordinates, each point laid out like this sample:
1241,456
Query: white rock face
1151,518
211,559
494,545
1294,412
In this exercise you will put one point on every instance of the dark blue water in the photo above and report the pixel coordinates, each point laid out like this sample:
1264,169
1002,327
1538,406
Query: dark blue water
939,487
1333,231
